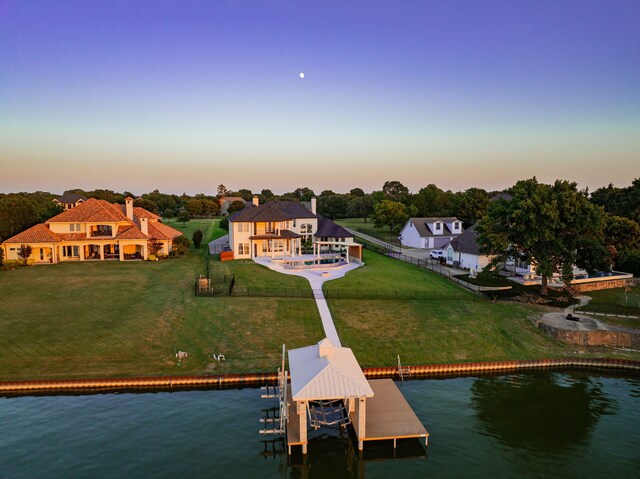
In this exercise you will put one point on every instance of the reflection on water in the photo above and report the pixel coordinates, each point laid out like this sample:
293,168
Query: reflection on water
526,425
544,413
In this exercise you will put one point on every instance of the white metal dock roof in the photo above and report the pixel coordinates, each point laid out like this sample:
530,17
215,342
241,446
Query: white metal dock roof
324,371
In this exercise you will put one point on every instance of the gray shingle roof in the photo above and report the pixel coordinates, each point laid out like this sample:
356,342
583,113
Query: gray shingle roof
421,225
71,198
467,242
328,228
273,211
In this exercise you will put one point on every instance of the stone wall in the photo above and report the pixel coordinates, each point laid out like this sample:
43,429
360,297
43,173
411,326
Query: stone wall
617,339
614,283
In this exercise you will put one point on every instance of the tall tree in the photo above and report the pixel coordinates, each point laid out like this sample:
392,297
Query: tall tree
471,205
391,214
197,238
432,201
395,191
554,227
332,205
222,191
17,213
356,192
183,217
360,207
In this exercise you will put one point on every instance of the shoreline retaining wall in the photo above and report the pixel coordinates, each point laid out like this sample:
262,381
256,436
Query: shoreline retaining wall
257,379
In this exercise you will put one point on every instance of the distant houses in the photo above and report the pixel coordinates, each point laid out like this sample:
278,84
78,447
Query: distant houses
94,229
227,201
433,232
70,200
464,251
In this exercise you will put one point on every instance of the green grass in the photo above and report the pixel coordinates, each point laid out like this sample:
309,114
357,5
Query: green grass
616,301
125,319
424,332
92,319
384,274
369,228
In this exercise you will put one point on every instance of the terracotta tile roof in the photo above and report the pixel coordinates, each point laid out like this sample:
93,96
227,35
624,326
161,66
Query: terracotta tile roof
161,231
142,213
91,210
130,232
36,234
72,236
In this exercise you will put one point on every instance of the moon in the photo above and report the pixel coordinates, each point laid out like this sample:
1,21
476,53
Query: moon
301,75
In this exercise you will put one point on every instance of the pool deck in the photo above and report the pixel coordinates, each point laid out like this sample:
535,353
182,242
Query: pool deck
389,417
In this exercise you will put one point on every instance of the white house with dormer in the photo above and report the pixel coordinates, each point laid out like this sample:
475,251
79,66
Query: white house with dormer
434,232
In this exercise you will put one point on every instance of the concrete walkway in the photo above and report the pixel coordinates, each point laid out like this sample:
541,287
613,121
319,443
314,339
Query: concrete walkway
316,280
583,300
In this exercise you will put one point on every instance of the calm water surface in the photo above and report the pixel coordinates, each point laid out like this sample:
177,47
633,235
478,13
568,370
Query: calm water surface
526,425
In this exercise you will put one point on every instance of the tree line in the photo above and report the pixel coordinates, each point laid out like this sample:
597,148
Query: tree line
601,227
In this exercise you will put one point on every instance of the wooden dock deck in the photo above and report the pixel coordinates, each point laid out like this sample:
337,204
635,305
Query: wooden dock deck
293,425
389,415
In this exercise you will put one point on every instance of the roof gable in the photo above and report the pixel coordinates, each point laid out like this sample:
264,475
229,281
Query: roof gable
272,211
39,233
424,229
324,371
467,242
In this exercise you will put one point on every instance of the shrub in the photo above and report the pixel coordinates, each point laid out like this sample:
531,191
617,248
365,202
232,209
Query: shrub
25,252
224,224
197,238
629,261
152,257
1,256
180,245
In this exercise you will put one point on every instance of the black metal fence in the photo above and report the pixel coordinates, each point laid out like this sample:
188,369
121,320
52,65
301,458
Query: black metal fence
428,263
610,309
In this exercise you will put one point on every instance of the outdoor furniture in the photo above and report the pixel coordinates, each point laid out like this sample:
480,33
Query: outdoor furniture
571,317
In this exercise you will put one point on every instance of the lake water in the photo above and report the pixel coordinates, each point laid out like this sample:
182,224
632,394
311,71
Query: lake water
537,424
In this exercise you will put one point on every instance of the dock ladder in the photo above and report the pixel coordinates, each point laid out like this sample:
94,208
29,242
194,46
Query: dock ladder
403,371
278,423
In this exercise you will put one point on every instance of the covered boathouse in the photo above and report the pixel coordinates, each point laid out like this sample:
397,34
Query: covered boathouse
328,388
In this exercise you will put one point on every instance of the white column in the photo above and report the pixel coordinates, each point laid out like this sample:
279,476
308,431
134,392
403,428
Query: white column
121,252
81,251
302,413
362,422
101,252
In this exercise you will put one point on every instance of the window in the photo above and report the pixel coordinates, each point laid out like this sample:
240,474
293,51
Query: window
243,249
438,226
303,228
309,228
456,225
72,227
244,227
41,254
77,226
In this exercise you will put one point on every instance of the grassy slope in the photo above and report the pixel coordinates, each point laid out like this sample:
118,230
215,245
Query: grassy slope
125,319
385,274
358,224
612,301
433,331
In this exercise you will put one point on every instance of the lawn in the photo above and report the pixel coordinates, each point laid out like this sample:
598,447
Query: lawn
77,320
126,319
369,228
623,301
384,274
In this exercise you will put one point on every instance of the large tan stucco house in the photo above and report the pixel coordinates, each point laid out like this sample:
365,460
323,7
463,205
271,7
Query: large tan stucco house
279,229
94,230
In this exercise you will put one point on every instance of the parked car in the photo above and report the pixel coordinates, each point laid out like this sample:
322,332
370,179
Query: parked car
436,253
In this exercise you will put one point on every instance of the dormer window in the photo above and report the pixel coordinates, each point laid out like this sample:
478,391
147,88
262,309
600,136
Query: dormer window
438,226
456,225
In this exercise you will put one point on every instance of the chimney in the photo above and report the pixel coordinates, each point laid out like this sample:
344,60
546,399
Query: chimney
144,225
256,200
129,207
325,348
313,205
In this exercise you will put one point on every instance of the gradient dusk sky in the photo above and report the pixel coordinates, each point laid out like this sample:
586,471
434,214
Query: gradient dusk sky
184,95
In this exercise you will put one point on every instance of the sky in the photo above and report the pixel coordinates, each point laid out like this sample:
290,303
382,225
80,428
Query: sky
185,95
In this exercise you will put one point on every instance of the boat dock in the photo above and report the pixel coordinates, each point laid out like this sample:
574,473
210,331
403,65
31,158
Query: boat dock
388,417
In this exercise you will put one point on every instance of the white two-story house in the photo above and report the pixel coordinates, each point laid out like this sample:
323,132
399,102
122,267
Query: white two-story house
281,228
430,233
